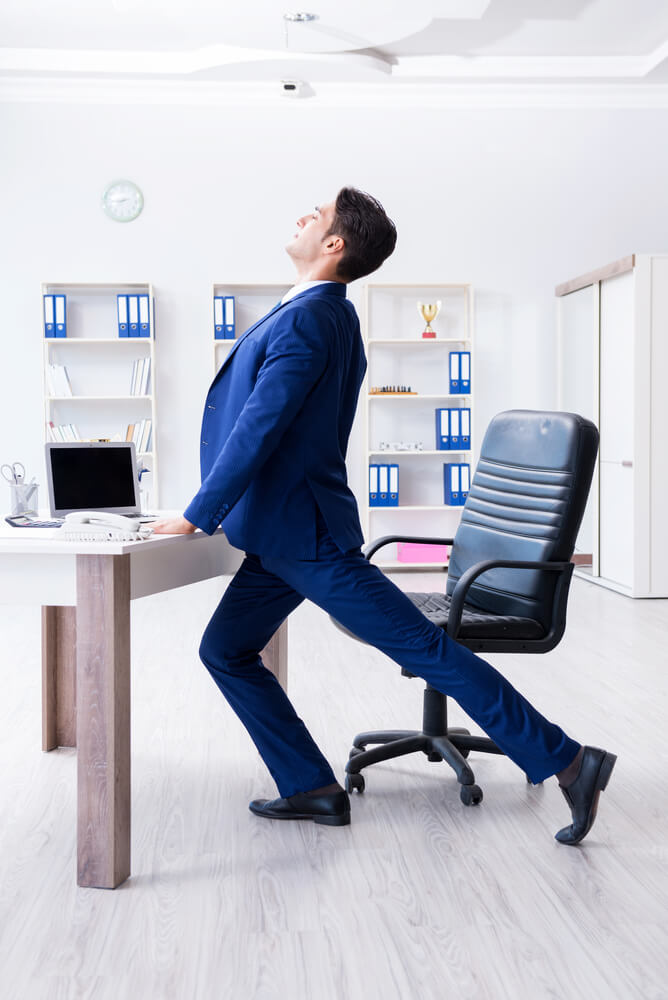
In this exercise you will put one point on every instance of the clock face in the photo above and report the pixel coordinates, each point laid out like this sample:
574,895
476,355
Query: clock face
122,201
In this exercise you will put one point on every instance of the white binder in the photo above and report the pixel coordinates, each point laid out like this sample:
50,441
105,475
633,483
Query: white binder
144,316
133,315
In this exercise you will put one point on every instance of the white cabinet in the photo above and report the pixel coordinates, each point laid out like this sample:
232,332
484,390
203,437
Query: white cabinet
613,366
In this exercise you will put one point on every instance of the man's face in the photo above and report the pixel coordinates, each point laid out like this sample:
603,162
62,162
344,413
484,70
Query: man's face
307,243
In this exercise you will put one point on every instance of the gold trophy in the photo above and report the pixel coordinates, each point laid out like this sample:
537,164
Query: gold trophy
429,311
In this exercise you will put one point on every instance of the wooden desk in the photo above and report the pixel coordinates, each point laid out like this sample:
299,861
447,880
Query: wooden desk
85,589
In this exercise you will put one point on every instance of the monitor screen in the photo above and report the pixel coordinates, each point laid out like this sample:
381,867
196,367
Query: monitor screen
92,477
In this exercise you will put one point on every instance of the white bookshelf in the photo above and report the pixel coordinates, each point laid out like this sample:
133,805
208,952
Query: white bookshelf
252,301
99,365
397,355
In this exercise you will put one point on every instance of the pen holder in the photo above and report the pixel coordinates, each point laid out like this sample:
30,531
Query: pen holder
23,498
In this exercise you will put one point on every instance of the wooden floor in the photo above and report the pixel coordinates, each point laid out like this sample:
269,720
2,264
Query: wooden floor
419,898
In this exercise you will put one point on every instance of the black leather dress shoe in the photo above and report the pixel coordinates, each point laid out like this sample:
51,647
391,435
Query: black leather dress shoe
583,794
332,809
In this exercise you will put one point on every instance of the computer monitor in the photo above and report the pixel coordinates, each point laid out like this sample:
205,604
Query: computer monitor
86,475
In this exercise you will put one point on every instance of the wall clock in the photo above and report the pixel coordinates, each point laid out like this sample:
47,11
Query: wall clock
122,201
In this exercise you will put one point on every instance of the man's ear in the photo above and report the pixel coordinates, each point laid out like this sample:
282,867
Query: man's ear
333,244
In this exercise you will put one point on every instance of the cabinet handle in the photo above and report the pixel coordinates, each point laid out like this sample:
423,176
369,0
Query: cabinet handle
627,463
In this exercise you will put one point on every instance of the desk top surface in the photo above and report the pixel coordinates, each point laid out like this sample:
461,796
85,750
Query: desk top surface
43,541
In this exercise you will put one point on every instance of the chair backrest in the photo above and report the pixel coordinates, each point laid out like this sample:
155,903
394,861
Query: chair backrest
526,502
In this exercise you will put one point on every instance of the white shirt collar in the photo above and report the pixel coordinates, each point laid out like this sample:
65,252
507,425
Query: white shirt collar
302,287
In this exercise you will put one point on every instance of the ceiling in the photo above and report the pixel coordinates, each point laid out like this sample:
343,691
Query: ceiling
425,41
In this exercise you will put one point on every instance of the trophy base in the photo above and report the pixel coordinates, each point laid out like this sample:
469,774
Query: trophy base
428,335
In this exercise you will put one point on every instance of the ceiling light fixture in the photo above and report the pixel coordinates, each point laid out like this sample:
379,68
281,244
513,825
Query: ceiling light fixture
300,17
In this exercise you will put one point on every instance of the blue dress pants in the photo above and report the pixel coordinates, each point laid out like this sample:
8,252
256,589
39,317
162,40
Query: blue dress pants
356,593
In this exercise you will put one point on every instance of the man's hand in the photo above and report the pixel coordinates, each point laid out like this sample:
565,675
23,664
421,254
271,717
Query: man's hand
173,526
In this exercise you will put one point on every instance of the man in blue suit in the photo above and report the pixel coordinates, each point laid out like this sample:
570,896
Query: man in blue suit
274,436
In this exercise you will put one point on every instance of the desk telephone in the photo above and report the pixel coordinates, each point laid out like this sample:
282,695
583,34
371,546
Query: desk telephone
99,526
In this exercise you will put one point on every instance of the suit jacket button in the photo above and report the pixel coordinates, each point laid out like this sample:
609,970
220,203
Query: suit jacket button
209,407
205,442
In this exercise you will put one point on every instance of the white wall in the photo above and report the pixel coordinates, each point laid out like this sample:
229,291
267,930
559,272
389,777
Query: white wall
512,200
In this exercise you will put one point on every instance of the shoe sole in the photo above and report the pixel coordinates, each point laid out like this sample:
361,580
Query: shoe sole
343,820
604,772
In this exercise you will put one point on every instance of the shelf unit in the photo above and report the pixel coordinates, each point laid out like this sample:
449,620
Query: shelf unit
99,366
397,355
251,303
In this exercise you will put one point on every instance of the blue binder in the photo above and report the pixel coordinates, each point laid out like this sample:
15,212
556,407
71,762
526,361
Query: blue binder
229,316
442,429
455,433
464,481
465,371
218,320
455,377
383,485
393,497
122,309
373,486
49,316
133,315
452,484
60,311
465,428
144,317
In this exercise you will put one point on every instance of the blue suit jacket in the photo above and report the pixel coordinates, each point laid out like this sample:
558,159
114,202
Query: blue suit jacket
275,430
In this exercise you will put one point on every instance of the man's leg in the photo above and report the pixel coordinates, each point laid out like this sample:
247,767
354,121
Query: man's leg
253,607
360,597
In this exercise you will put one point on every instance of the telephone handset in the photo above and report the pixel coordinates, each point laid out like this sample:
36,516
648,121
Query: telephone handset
99,526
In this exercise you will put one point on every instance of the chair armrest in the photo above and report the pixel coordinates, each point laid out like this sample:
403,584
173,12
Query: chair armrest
465,581
378,543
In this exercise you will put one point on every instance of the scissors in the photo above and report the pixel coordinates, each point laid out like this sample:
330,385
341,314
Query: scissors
14,473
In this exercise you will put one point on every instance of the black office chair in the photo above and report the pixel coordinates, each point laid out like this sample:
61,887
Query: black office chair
509,571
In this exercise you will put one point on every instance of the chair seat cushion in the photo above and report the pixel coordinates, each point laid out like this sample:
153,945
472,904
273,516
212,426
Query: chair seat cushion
477,624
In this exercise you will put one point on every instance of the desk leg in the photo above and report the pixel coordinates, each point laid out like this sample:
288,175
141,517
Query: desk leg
275,655
103,720
59,701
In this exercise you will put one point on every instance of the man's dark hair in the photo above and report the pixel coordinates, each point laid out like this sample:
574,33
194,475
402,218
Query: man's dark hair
369,235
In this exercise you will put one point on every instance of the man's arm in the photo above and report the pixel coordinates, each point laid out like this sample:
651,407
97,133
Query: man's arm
296,358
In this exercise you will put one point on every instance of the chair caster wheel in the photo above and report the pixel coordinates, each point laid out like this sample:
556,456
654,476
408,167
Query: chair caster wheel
355,752
354,782
471,795
434,756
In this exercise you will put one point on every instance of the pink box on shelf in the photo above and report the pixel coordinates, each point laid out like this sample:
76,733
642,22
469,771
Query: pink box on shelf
409,552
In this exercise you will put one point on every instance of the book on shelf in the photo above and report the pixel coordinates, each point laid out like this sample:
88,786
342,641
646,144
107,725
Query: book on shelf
145,377
62,432
58,381
141,374
145,443
140,434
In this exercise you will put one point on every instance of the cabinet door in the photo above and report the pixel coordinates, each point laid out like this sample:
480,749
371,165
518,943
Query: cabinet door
578,361
617,368
616,523
578,388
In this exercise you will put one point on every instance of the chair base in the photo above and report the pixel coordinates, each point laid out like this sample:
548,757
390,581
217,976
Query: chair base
436,740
